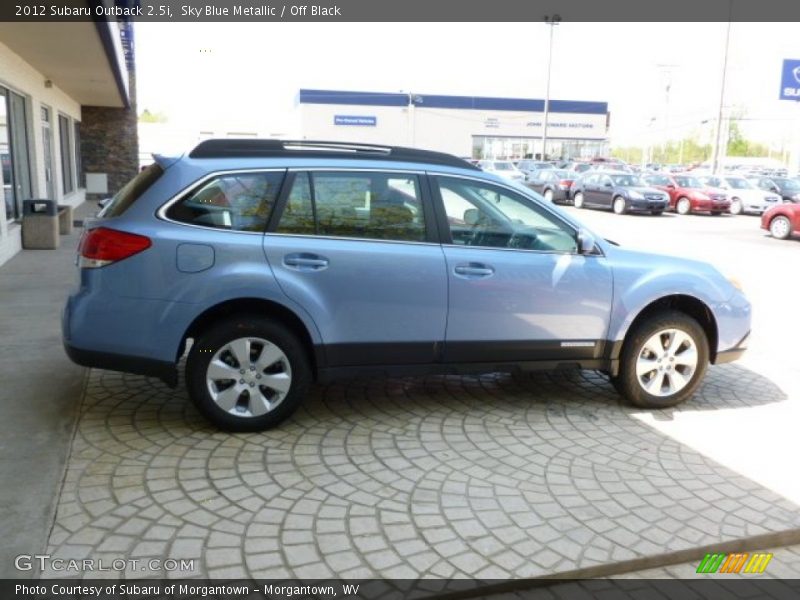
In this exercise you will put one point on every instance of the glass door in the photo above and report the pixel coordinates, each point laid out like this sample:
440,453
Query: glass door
14,152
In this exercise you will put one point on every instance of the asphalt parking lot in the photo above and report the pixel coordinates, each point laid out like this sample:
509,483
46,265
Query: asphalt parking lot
491,477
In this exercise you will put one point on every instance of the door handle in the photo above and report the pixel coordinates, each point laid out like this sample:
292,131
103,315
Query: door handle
306,262
474,270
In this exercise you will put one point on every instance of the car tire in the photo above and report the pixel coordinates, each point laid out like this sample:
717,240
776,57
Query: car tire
736,206
578,201
619,205
286,365
548,195
683,206
780,227
676,371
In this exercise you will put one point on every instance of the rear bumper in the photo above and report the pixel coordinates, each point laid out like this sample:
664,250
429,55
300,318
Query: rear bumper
165,371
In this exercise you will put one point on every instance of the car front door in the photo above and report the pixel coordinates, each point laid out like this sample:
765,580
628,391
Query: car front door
357,251
590,189
519,290
605,191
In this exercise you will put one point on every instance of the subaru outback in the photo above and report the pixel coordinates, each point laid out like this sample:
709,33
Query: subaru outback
274,264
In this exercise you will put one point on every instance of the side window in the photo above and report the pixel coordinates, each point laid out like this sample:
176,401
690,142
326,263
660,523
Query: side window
236,202
481,214
382,206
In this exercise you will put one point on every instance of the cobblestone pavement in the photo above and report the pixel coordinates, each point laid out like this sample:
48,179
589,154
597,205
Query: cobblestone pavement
488,477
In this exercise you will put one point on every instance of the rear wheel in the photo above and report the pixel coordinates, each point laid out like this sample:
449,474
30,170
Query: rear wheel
780,227
736,206
247,373
619,205
548,195
683,206
578,200
663,361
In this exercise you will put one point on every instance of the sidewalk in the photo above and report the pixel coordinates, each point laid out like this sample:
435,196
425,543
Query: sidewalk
39,395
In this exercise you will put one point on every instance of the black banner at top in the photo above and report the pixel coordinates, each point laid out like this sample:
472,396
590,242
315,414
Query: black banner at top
400,10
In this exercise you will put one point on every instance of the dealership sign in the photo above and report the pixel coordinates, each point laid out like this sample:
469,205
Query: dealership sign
790,80
363,121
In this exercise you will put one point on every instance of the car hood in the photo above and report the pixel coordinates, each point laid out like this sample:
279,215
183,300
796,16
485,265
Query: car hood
642,189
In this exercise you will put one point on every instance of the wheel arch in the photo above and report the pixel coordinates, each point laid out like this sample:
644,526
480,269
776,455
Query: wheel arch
260,306
689,305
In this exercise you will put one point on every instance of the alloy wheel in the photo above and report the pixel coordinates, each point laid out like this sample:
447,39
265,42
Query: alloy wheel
249,377
666,362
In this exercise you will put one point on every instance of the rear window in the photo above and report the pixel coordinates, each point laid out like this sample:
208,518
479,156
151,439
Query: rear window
132,191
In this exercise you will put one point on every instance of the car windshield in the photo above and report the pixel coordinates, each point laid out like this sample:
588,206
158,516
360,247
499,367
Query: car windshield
739,183
788,184
688,182
658,180
626,180
503,166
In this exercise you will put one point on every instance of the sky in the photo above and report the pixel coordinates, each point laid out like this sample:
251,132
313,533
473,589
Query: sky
245,76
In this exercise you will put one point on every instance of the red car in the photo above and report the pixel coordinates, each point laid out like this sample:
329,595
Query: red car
687,194
782,220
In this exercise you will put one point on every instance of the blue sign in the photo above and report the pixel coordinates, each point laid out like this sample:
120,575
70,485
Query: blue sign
362,121
790,80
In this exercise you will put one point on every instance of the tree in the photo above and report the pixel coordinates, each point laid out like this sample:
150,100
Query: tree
148,117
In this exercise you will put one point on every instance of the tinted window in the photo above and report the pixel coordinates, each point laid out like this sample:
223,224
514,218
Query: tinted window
131,191
484,215
380,206
237,201
739,183
658,180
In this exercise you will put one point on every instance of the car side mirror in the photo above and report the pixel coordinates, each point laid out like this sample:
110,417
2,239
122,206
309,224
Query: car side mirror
671,186
472,216
607,184
586,242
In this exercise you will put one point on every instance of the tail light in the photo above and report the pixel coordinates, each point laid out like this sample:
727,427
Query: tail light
565,184
102,246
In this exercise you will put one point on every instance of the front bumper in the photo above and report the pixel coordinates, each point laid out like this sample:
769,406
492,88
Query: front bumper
734,353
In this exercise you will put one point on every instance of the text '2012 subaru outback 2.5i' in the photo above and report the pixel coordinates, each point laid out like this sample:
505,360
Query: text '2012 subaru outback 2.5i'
289,262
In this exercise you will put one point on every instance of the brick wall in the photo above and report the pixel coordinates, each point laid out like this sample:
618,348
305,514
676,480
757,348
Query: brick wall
110,142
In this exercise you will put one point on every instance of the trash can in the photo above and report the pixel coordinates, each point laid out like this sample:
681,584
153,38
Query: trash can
40,225
64,219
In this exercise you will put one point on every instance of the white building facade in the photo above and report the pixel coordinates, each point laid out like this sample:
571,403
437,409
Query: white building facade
48,73
469,126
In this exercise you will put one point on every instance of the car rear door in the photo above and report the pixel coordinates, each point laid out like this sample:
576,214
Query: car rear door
519,291
357,249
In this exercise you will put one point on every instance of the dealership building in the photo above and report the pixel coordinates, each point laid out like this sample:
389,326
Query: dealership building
67,115
474,126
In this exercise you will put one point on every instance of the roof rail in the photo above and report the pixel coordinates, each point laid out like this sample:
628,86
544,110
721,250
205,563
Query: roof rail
248,147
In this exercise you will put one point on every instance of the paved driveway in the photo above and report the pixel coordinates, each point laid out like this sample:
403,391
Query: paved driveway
489,477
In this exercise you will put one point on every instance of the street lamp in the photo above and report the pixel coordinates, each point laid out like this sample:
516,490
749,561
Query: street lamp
552,21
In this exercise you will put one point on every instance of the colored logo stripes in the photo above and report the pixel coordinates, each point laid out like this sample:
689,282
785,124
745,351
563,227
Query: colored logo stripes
738,562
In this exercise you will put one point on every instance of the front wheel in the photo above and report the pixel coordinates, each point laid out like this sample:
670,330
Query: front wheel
663,361
736,206
780,227
578,202
683,206
247,373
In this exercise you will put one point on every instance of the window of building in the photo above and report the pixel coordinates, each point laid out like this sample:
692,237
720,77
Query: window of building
383,206
237,202
65,141
79,181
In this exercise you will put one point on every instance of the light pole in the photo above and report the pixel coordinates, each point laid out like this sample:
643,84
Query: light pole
552,21
716,159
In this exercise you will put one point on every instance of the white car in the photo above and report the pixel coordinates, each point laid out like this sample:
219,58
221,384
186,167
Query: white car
502,168
745,197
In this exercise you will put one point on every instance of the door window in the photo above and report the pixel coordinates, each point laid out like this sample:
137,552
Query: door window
14,152
481,214
383,206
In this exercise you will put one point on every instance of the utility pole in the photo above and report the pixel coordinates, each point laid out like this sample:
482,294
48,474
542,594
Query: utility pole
715,162
552,21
